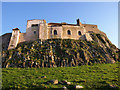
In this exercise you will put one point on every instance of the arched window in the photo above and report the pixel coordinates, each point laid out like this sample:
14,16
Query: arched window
69,32
79,33
55,32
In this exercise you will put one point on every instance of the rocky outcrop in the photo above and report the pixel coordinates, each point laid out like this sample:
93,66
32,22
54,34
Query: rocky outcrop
61,53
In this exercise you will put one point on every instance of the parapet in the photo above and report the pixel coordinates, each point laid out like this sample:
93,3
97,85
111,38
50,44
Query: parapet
93,29
90,26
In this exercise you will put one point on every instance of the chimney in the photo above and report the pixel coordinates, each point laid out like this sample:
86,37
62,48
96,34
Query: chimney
78,22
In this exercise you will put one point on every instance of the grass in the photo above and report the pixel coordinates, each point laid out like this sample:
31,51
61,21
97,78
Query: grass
88,76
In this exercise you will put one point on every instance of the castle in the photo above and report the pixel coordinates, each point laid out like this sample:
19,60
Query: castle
39,29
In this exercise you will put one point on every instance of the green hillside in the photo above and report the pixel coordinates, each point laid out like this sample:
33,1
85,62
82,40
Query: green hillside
89,76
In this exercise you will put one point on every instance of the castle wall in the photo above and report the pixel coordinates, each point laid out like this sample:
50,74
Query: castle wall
22,37
74,32
43,31
51,32
93,28
39,29
14,39
5,40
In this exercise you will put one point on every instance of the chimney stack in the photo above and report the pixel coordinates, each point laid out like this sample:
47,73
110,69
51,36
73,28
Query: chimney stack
78,22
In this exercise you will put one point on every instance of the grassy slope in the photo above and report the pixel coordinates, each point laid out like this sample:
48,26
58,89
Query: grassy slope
96,76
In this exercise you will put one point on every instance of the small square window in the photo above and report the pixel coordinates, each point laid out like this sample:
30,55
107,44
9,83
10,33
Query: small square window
34,32
34,25
11,45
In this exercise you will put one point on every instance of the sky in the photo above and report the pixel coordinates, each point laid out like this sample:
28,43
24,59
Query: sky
103,14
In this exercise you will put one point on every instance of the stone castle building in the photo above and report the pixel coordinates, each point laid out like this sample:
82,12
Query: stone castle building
39,29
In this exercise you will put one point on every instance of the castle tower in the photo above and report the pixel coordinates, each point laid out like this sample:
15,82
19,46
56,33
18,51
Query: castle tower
14,38
43,32
36,29
32,30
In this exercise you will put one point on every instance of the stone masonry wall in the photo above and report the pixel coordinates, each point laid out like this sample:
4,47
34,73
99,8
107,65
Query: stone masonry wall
41,30
93,28
5,40
30,31
22,37
51,32
74,32
14,39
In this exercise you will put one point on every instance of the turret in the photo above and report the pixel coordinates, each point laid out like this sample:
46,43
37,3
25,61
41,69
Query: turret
14,38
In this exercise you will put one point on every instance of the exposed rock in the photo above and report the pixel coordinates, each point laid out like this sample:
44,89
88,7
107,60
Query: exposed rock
54,81
43,77
78,86
64,88
108,59
106,41
113,86
88,37
68,83
61,53
64,81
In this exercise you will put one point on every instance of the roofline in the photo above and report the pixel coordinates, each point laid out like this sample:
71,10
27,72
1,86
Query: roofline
6,34
62,24
15,29
36,19
90,24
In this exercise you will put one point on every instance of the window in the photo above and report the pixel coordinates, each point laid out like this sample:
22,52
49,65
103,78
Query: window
69,33
34,25
34,32
11,45
79,33
55,32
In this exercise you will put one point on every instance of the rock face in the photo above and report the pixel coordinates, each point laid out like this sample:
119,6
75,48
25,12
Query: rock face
61,53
